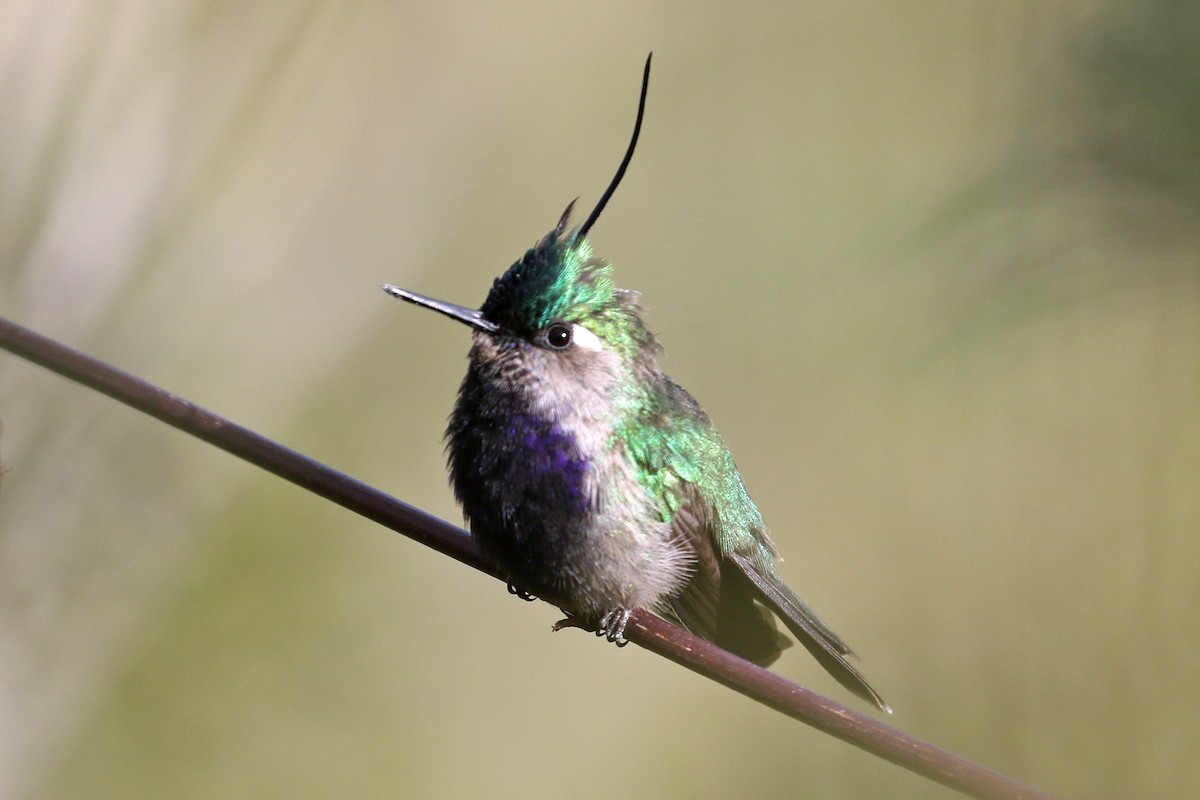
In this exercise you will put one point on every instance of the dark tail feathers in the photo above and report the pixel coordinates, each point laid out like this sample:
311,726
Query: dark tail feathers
825,645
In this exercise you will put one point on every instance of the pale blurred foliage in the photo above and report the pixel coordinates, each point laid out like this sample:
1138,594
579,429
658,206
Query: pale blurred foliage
933,268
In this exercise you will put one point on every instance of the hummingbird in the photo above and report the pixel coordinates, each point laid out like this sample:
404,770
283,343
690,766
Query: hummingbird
592,478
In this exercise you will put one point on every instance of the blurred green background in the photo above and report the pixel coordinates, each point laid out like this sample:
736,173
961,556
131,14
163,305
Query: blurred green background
934,269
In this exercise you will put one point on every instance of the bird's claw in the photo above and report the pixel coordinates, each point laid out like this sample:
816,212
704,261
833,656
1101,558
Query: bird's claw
521,593
612,626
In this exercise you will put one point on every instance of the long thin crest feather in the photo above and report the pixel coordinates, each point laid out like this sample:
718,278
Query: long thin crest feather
612,186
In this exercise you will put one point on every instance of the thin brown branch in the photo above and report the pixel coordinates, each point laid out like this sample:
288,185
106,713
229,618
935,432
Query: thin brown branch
644,629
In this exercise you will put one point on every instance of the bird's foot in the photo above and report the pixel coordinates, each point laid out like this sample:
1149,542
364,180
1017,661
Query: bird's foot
612,626
521,593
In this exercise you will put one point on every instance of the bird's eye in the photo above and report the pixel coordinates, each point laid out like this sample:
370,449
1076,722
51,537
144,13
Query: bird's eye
558,336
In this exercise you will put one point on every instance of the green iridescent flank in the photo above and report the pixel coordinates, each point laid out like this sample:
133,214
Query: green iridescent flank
559,280
682,461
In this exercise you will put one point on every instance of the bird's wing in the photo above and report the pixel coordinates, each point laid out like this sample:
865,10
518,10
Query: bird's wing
718,602
696,479
681,459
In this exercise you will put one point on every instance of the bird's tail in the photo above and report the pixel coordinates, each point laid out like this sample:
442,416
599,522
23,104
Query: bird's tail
825,645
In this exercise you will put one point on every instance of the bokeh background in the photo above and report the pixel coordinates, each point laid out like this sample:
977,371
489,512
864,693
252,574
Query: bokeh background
934,269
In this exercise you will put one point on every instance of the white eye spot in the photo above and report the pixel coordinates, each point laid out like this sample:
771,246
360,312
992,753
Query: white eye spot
585,338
